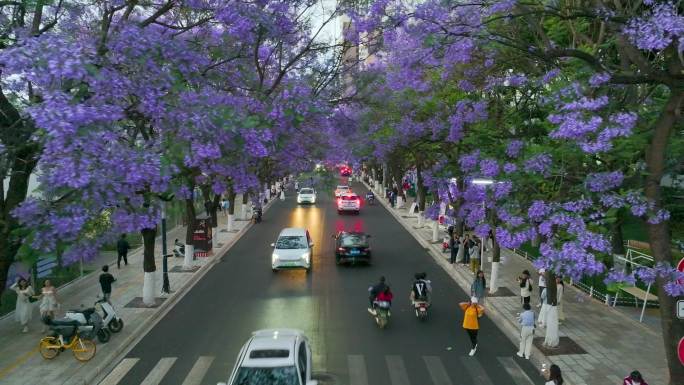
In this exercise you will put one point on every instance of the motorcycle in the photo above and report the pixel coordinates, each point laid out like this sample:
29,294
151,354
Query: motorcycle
89,324
421,309
256,215
382,313
178,249
370,199
113,322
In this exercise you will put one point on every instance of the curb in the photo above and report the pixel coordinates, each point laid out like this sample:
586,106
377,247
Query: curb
97,374
508,327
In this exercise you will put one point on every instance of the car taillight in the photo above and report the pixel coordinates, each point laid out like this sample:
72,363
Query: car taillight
339,201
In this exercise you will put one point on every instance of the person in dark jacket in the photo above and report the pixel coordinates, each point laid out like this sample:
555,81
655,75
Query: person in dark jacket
106,280
122,248
453,247
374,291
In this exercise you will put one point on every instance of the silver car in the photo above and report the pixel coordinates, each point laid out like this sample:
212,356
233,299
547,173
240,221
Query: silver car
292,250
306,195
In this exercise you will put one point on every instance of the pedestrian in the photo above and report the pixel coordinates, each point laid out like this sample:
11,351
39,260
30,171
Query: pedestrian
544,310
461,250
471,312
553,375
467,244
475,257
525,283
478,287
296,186
106,280
453,248
560,289
122,248
634,378
225,205
542,285
282,195
526,320
49,303
23,310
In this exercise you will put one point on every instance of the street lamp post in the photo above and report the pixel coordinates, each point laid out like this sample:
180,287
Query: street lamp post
165,268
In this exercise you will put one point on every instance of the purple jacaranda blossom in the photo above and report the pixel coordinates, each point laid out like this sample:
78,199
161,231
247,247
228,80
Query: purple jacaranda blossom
509,168
513,148
489,167
539,164
656,29
599,79
604,181
468,162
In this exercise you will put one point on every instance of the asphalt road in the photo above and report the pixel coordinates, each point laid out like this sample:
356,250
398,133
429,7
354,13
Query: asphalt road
241,294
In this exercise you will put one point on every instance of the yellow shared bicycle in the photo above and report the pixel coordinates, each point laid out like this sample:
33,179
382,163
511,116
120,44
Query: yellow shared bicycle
50,346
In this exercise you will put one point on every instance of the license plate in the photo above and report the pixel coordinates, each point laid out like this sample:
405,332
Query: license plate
291,264
355,252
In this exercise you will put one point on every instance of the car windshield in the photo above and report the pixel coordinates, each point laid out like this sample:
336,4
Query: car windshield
291,242
342,187
283,375
354,240
306,191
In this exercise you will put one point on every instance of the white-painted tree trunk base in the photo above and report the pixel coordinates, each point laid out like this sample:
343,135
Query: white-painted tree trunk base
494,278
187,260
552,339
149,288
435,231
420,219
244,211
229,224
543,313
282,195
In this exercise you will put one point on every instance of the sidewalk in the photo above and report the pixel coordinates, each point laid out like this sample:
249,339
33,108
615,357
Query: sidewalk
600,345
20,361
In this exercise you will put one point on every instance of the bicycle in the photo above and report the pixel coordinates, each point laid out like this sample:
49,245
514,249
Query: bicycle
83,349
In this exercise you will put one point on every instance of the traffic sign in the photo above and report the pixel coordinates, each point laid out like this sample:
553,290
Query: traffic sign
680,350
680,309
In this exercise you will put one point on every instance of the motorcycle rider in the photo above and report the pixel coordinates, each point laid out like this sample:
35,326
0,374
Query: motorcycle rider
374,291
421,289
256,210
370,196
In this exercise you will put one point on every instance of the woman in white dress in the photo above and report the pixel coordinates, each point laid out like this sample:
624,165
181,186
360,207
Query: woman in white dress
48,304
560,288
23,310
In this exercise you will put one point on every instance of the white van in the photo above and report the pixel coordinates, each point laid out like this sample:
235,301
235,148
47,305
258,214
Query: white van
293,249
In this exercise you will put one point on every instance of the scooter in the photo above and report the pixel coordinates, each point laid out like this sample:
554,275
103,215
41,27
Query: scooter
256,214
370,199
89,324
178,249
382,313
113,322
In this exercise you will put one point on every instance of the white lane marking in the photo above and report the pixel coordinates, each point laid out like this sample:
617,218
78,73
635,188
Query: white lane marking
476,371
437,370
119,371
515,371
358,374
155,376
198,371
397,370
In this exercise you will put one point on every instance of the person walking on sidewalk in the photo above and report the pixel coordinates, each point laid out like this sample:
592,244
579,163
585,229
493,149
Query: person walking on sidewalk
225,205
466,245
122,248
526,320
544,310
471,312
475,257
525,287
23,310
634,378
453,248
553,375
106,280
560,288
542,286
49,303
477,288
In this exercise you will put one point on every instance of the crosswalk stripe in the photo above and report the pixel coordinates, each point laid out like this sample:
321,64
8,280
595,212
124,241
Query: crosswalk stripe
397,370
155,376
119,371
437,370
515,371
476,371
198,371
357,370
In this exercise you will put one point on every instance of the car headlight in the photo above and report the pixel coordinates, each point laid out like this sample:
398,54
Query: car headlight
274,258
306,256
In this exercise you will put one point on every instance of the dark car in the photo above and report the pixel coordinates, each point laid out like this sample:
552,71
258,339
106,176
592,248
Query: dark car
352,247
345,171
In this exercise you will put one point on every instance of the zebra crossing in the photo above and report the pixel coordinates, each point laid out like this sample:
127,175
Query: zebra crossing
357,366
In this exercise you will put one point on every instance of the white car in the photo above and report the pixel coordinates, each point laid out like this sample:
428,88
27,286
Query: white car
293,249
341,190
348,202
274,357
306,195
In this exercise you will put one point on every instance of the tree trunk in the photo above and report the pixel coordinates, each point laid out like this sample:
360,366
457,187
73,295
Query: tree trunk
149,236
551,338
617,241
231,208
659,233
420,188
190,218
245,204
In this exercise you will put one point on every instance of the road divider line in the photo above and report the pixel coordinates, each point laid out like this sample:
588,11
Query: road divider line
120,371
437,370
157,373
515,371
397,370
358,374
198,371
